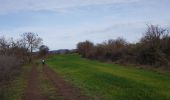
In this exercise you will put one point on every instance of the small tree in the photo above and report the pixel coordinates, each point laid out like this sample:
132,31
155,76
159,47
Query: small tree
32,40
85,48
43,50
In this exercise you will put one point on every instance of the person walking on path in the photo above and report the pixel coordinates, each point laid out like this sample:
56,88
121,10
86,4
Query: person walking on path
43,62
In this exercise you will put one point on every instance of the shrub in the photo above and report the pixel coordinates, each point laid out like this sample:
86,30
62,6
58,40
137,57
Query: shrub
9,68
43,50
153,49
85,48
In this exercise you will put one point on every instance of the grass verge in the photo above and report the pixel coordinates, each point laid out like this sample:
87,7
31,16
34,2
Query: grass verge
111,81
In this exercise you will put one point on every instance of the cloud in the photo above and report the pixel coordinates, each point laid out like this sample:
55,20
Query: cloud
11,6
94,20
57,37
61,37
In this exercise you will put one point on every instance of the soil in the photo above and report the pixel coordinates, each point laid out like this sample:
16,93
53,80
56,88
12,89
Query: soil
32,91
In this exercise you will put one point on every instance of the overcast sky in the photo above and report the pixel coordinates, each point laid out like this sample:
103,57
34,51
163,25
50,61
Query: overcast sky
64,23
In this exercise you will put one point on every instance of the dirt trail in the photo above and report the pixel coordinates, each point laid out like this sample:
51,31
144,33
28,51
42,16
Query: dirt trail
65,90
32,91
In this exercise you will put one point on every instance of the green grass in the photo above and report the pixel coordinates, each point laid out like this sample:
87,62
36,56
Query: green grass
111,81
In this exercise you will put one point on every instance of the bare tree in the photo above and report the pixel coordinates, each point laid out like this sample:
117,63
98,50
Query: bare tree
154,34
32,41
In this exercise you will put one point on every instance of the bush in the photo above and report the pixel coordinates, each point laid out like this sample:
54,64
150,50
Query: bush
85,49
43,50
9,68
153,49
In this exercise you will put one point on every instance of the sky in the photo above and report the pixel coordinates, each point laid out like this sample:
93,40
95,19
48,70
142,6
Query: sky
64,23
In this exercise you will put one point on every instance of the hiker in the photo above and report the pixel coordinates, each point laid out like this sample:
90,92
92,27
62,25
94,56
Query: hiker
43,62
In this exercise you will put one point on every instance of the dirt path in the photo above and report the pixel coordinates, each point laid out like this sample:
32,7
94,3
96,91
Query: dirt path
32,91
65,90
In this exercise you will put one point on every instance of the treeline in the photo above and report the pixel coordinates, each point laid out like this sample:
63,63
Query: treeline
153,49
13,54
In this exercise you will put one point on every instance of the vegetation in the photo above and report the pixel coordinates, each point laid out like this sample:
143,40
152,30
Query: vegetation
7,72
153,49
13,55
100,81
43,50
104,81
13,89
31,42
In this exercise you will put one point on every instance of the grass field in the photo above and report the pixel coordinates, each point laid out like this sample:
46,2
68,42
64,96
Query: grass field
110,81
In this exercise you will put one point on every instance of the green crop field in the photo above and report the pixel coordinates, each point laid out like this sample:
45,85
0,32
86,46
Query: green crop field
111,81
